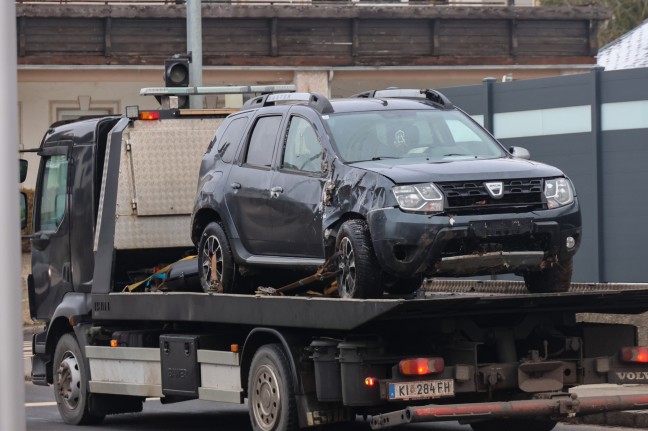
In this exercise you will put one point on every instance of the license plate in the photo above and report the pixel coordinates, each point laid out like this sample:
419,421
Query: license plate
421,389
494,228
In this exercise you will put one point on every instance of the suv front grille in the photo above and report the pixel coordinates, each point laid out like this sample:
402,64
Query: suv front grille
469,196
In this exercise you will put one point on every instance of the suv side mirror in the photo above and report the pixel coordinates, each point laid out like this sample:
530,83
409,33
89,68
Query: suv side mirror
520,153
23,170
23,210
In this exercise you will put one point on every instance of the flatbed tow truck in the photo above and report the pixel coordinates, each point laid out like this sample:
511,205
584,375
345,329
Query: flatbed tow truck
114,198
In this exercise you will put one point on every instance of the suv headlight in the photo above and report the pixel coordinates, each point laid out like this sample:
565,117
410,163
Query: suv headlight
419,197
559,192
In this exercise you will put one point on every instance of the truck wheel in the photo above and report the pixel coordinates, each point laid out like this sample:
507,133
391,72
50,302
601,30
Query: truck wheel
216,265
359,272
514,425
271,397
71,383
557,278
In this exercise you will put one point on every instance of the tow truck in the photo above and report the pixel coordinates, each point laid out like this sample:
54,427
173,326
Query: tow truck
112,208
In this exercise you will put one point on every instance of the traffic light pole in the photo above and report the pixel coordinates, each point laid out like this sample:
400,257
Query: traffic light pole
194,46
12,410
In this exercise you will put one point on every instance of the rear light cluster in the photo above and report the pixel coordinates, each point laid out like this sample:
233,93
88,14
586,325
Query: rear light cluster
421,366
635,354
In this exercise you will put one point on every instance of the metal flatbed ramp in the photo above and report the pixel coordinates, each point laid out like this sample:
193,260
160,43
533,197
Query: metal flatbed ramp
348,314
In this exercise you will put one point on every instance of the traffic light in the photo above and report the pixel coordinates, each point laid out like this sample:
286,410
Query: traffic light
176,72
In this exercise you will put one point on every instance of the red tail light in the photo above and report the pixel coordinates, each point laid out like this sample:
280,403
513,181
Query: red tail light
149,115
421,366
371,381
634,354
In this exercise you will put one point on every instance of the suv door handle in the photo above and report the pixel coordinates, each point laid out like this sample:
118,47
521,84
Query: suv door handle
275,192
236,185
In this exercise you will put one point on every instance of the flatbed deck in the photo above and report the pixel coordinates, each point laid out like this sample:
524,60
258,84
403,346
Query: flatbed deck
351,314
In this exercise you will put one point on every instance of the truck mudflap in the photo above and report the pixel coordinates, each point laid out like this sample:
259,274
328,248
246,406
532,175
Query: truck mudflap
567,405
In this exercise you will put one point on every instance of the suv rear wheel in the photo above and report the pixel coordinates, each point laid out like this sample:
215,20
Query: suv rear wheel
359,272
556,278
218,272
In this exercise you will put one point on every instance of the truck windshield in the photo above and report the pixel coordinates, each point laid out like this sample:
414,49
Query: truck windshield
437,136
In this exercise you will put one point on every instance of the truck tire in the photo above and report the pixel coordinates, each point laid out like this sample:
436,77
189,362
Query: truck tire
556,278
271,396
71,383
359,272
218,272
514,425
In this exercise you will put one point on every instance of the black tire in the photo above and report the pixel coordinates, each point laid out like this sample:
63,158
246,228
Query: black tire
271,395
214,251
71,384
514,425
556,278
359,272
401,286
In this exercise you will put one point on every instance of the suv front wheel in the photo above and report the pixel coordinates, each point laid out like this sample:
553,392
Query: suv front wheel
359,272
218,272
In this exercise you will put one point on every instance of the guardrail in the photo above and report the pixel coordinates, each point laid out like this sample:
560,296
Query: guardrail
282,2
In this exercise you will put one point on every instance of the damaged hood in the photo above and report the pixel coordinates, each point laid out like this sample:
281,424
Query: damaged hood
410,171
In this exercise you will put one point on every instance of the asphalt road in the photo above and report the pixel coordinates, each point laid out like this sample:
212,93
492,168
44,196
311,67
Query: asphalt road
42,415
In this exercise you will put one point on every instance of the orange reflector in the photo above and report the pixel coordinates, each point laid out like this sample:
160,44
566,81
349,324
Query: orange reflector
149,115
114,343
421,366
72,321
634,354
234,348
371,381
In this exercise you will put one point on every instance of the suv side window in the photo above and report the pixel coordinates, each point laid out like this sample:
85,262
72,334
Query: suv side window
228,141
262,141
51,205
302,149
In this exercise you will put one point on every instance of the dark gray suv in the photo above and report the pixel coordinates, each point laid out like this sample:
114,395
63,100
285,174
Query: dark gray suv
397,184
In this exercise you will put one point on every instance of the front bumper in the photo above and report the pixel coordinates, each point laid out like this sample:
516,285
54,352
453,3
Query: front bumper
476,244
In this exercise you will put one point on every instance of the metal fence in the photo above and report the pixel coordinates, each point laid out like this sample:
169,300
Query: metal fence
594,127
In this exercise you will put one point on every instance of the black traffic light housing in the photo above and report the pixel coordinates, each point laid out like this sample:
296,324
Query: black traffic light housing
176,72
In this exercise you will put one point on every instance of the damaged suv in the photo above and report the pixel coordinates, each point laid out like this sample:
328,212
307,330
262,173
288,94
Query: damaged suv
396,185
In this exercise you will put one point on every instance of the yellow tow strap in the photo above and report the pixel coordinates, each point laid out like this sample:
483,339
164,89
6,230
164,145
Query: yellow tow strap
164,270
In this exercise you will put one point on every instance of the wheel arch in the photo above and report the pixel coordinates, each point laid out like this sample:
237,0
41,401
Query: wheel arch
259,337
202,218
333,229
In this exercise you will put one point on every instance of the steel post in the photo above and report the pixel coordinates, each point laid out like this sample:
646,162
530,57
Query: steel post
194,46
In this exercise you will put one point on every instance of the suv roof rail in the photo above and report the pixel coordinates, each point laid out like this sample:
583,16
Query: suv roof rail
318,102
433,96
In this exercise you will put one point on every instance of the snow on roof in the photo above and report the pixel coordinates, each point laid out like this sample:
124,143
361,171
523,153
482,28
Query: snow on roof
627,52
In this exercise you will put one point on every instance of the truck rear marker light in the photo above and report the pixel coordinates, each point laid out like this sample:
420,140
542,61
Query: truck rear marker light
234,348
635,354
149,115
114,343
371,381
421,366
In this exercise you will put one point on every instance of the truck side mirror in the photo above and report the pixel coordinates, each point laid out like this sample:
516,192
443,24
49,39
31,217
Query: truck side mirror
23,170
520,153
23,208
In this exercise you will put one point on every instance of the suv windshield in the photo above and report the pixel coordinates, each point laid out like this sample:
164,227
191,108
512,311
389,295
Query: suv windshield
433,135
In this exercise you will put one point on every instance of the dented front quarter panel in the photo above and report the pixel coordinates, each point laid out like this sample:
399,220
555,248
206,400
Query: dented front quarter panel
351,190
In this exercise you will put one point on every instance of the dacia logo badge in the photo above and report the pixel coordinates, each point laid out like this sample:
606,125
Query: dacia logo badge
495,189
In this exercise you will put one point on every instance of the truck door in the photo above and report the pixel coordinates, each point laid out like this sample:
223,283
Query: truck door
296,201
50,243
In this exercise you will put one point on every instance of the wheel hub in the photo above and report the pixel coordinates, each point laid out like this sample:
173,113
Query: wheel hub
347,274
266,399
212,264
69,381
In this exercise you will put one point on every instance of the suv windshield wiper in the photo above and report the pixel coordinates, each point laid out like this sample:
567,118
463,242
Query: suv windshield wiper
384,157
